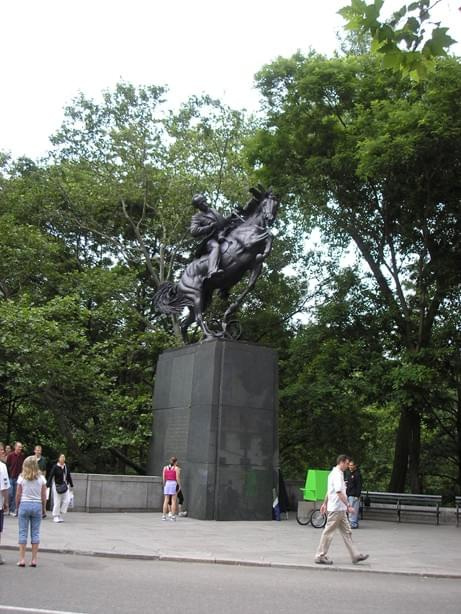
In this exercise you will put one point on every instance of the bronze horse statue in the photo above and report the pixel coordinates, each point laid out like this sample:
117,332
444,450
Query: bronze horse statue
243,248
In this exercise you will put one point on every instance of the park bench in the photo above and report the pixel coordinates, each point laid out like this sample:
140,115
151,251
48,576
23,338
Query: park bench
400,503
458,509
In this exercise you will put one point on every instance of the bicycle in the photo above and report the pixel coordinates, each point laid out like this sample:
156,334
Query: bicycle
314,517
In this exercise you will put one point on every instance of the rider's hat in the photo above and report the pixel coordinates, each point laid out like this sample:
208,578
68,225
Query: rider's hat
198,199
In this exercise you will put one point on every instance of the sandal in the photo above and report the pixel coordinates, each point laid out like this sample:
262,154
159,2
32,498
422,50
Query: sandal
21,564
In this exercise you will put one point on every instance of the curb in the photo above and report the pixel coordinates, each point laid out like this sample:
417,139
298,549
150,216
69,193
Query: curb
241,562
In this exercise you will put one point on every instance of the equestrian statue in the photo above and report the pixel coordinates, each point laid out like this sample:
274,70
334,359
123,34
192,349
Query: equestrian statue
230,247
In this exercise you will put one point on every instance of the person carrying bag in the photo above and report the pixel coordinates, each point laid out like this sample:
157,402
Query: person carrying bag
60,481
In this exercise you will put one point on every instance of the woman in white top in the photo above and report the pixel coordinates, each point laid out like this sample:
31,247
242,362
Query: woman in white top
30,503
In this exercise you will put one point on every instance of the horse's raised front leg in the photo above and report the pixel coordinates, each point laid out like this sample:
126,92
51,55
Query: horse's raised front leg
267,249
255,273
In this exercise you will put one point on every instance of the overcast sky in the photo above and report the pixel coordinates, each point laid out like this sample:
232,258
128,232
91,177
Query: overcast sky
52,49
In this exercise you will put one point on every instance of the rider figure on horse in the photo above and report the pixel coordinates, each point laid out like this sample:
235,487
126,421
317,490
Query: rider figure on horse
246,233
210,226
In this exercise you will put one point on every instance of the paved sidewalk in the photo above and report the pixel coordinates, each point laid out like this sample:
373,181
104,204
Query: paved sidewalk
415,549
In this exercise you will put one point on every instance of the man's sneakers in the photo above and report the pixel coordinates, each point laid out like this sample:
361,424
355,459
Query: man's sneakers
323,560
58,519
361,557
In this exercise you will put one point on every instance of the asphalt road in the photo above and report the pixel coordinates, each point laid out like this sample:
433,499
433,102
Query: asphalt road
87,584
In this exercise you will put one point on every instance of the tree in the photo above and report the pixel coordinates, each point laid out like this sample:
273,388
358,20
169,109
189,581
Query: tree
335,383
373,157
125,169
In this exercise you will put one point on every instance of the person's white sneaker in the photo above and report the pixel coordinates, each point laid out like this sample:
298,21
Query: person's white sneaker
173,518
163,517
60,519
182,514
55,518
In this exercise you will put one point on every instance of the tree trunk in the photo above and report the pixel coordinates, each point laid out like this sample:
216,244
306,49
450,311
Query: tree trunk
414,476
407,453
399,468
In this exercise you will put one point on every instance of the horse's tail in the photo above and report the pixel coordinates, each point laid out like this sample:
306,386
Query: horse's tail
168,299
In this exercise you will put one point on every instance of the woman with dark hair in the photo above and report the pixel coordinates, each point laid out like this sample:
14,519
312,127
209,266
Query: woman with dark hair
171,479
60,481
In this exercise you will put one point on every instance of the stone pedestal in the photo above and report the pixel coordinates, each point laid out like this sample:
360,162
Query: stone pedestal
215,409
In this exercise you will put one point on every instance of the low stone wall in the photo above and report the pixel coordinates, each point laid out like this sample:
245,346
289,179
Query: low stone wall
117,493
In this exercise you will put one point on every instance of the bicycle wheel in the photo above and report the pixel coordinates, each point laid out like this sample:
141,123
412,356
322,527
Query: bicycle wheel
318,520
303,518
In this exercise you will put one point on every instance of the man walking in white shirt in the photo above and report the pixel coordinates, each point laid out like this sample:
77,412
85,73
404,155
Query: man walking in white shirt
337,507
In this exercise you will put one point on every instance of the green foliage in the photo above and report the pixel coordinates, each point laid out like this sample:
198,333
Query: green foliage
84,363
125,170
372,157
407,42
335,381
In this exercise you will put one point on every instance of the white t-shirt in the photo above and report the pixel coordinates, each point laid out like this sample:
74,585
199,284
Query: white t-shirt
31,489
4,481
336,484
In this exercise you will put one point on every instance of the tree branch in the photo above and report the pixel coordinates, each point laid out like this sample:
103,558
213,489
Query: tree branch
141,470
381,281
141,243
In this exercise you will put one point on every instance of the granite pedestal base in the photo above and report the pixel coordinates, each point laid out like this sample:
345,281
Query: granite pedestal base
215,409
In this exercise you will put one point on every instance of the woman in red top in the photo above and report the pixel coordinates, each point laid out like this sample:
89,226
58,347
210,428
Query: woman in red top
170,481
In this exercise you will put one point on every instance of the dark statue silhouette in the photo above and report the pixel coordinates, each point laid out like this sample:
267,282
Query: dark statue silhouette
230,247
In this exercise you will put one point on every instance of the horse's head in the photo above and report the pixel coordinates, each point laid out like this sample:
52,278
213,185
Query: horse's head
269,206
262,208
